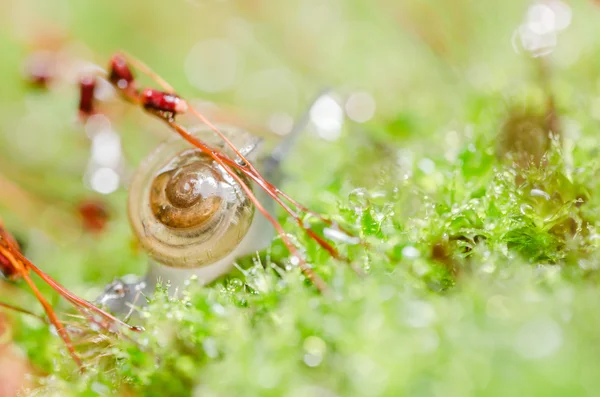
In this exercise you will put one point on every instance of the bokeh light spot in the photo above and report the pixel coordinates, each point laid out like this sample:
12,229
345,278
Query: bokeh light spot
360,107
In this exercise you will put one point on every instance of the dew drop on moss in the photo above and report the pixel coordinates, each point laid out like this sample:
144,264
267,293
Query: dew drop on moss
539,193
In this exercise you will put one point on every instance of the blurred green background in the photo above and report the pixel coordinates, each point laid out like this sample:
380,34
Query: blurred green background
426,88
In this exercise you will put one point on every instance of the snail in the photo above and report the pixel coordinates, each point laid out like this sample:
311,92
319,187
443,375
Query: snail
192,207
190,216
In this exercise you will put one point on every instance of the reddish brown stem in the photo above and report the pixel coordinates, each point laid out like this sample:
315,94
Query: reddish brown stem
19,266
269,188
312,276
60,328
272,191
77,301
276,193
21,310
147,71
22,271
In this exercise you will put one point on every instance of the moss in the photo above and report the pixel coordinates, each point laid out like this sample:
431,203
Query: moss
475,187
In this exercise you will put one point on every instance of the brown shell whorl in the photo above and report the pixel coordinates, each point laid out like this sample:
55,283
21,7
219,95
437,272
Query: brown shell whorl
186,197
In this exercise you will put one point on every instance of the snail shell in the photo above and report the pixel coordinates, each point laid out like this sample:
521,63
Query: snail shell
191,216
185,209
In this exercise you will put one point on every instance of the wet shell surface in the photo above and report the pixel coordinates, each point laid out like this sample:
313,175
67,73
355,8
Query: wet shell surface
185,209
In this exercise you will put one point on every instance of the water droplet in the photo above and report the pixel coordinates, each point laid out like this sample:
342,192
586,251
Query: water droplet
235,284
95,327
526,209
539,193
359,198
339,236
410,252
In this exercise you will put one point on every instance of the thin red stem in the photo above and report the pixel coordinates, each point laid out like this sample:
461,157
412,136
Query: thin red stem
261,182
77,301
21,269
312,276
272,190
148,71
21,310
60,328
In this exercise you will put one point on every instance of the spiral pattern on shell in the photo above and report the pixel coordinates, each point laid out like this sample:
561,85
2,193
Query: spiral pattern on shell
185,209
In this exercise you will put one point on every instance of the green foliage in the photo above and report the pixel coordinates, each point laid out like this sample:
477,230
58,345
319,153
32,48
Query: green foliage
475,187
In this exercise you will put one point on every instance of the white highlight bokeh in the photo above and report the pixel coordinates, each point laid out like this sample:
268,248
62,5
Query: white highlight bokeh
327,116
